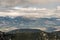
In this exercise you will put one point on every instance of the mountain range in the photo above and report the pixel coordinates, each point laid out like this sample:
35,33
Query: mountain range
50,24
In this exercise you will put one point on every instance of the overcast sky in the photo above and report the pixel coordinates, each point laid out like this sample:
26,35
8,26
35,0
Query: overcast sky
33,3
46,4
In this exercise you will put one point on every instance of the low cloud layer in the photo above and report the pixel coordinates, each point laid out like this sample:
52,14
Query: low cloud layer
36,12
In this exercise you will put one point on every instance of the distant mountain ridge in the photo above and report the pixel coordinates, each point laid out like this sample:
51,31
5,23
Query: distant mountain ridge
24,31
23,22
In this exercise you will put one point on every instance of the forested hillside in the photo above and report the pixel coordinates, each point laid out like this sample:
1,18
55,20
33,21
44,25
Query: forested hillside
34,34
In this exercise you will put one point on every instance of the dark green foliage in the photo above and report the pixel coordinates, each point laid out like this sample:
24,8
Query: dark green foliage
35,36
26,36
31,35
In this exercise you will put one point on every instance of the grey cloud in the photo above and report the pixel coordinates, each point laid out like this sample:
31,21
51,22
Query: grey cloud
9,3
